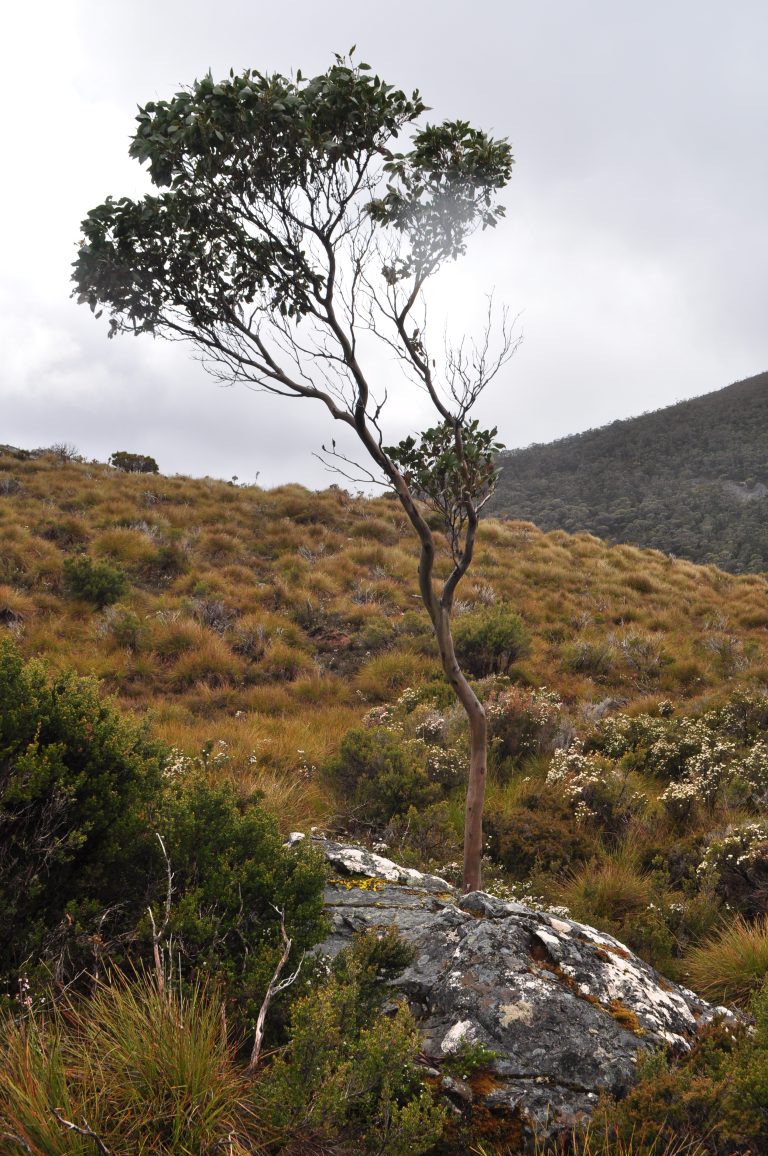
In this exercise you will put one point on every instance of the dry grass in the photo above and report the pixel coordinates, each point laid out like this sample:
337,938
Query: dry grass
606,894
732,965
321,616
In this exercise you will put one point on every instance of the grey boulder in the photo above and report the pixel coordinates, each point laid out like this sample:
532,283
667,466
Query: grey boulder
568,1010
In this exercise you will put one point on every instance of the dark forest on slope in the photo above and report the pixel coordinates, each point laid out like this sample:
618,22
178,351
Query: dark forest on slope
690,479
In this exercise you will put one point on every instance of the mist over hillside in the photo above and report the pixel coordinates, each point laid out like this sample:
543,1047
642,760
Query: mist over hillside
690,479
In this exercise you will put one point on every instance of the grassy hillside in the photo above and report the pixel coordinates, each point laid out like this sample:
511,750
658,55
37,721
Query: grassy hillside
270,621
275,640
691,479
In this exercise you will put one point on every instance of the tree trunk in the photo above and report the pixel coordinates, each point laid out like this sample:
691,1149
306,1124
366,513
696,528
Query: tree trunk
473,812
440,613
478,754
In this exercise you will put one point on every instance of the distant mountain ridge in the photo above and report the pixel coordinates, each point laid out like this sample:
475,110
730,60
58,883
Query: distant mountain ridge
690,479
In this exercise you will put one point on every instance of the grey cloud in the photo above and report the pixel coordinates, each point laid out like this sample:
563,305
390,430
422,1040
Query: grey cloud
636,243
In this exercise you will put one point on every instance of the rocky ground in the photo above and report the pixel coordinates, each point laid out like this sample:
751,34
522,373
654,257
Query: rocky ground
567,1009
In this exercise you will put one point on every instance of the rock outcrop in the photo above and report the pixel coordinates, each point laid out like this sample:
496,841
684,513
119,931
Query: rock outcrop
567,1009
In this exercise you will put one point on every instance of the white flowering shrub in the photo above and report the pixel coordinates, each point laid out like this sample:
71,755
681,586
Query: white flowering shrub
735,865
719,755
597,790
749,776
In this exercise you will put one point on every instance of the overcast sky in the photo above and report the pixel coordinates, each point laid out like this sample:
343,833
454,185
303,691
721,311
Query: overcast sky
635,248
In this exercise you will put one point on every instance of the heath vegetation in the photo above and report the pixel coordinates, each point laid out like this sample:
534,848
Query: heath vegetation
284,676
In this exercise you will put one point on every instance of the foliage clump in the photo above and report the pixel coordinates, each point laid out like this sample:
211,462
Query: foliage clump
714,1096
83,798
96,582
349,1070
490,640
133,463
77,780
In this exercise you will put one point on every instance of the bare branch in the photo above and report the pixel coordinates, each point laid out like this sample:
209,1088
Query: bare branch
157,935
276,985
83,1130
367,478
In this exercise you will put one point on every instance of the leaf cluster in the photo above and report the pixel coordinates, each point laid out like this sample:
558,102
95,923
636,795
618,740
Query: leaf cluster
245,161
453,468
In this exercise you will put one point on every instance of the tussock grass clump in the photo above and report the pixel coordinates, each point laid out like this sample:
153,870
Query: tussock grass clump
141,1069
607,893
732,965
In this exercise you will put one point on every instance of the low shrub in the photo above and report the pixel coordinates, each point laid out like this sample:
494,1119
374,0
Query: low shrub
96,582
347,1070
522,722
377,775
735,864
76,781
490,640
596,659
134,463
526,840
684,1106
82,796
230,873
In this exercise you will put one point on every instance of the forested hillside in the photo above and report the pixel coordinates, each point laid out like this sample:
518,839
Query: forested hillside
691,480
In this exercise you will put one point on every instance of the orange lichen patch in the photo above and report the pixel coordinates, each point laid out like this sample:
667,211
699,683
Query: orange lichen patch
606,950
625,1017
568,981
483,1081
614,949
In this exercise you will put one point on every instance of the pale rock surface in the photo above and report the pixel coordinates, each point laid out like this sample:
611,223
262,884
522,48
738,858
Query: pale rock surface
568,1009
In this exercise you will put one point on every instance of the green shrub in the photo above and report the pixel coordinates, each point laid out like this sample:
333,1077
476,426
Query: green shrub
82,794
76,781
125,627
490,640
96,582
524,839
133,463
696,1102
378,775
735,864
426,835
522,722
348,1072
596,659
230,873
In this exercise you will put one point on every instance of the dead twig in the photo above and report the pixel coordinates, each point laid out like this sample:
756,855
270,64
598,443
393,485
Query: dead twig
157,936
83,1130
276,985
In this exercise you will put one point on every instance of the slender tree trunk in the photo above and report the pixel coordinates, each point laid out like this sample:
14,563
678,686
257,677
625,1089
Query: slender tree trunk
440,613
473,812
478,754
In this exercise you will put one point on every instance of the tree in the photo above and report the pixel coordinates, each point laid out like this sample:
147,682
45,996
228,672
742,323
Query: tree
286,235
134,463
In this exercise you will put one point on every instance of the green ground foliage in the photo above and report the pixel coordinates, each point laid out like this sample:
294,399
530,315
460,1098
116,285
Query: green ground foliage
689,479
